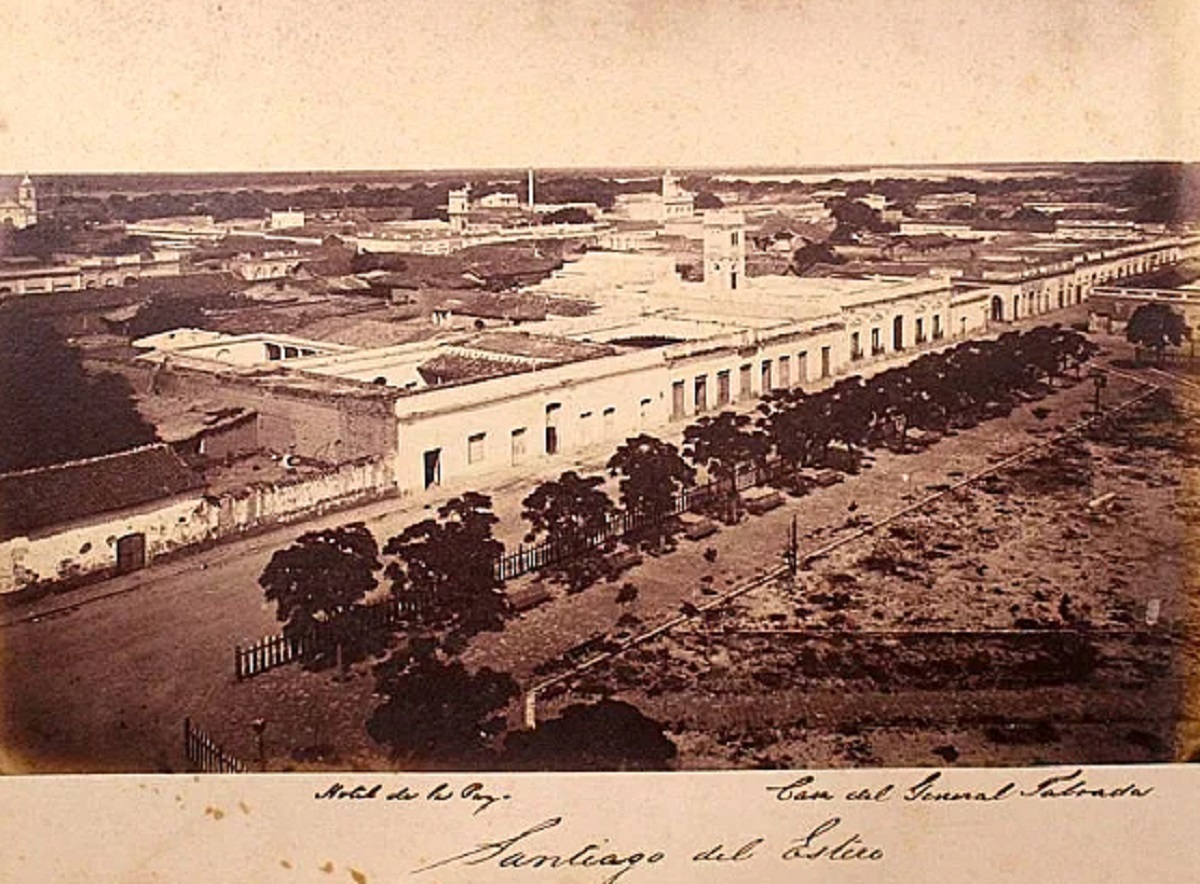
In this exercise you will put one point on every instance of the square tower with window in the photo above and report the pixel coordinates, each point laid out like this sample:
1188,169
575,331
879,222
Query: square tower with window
724,251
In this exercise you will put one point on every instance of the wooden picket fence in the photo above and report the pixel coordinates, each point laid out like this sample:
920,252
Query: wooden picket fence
267,653
272,651
204,755
547,553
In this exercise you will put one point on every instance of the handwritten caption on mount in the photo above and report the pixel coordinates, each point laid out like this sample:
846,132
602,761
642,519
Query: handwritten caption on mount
826,837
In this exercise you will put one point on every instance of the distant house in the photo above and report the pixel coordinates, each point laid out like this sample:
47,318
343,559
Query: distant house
499,201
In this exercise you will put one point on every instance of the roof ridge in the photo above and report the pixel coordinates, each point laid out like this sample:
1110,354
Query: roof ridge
83,461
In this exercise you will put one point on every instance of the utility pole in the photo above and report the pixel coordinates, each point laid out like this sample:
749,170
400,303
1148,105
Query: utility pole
791,555
1100,379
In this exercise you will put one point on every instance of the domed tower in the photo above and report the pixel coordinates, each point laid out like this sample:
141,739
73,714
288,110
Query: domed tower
724,252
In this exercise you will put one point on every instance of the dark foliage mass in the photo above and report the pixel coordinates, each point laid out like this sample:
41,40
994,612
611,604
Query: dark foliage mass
569,215
55,411
721,444
936,392
438,712
652,474
569,512
443,572
1155,327
609,735
319,582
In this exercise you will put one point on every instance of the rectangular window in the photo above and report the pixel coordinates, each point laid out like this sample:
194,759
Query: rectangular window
700,394
802,367
677,399
856,345
745,383
920,330
937,326
518,445
476,448
723,388
876,342
826,368
766,376
785,371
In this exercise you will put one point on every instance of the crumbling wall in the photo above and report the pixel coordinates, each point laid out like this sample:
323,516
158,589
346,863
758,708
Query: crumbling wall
73,551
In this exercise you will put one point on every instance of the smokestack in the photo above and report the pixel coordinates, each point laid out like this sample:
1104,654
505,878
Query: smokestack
531,203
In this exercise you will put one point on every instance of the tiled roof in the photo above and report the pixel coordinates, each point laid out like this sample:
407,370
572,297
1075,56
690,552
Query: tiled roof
39,498
539,346
448,368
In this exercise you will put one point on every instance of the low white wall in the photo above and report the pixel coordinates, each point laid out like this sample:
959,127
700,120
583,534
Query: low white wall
171,525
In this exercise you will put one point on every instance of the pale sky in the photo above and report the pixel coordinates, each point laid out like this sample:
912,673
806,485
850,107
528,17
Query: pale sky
179,85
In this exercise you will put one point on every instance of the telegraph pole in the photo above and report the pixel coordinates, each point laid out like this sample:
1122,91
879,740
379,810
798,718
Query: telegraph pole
791,555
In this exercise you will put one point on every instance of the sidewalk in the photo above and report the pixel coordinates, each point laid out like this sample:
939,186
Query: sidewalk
507,487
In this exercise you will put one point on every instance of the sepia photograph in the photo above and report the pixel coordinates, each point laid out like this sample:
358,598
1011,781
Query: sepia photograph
598,386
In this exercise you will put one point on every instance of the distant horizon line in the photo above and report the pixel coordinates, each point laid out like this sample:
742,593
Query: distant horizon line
752,168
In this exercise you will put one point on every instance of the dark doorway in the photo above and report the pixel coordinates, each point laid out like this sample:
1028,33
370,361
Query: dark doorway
898,333
552,411
131,552
433,467
997,309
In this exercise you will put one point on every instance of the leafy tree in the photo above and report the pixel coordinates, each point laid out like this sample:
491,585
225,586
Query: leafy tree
652,473
164,314
706,199
721,445
852,412
444,574
794,426
892,394
568,215
811,254
437,712
1155,326
318,580
570,511
854,217
53,409
609,735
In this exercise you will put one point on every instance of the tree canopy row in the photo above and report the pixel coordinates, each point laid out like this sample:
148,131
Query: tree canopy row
441,571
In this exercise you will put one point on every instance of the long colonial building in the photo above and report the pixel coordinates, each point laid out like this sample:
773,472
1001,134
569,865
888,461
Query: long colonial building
656,351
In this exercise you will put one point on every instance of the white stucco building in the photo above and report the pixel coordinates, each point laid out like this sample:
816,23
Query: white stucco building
18,202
